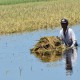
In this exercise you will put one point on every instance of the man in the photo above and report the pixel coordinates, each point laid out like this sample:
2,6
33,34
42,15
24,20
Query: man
67,35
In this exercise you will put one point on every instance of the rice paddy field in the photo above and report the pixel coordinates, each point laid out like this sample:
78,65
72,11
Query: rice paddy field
28,15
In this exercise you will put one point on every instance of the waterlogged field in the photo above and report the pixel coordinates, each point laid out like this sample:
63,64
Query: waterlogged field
36,15
17,63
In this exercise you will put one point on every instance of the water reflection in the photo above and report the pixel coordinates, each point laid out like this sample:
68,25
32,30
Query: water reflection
70,57
48,56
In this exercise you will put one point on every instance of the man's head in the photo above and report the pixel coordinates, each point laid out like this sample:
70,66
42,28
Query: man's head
64,23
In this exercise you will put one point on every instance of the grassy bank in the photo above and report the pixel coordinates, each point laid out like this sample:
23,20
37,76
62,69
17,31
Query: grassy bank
9,2
37,15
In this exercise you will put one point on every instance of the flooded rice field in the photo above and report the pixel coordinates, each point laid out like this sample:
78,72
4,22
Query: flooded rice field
17,62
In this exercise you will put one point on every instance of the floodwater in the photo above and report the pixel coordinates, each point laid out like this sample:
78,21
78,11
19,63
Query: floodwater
17,63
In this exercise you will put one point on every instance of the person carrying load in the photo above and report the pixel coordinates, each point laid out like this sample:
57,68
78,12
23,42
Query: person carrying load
67,35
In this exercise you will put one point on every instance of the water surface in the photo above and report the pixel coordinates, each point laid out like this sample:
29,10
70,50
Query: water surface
17,63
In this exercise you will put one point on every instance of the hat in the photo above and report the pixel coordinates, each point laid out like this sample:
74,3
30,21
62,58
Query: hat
64,21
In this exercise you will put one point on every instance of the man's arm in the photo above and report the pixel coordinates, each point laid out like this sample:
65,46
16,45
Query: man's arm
73,38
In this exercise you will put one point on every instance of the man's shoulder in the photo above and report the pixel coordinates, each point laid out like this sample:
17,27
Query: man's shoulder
70,30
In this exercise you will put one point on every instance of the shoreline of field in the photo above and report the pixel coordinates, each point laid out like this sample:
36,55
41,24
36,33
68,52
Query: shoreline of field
37,15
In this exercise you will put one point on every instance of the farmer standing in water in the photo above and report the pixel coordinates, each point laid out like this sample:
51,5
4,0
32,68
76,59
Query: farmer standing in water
67,34
68,38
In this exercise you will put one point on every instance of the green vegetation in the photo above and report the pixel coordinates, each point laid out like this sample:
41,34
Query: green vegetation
3,2
37,15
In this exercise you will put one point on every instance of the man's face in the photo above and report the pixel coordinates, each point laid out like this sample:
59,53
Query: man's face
64,26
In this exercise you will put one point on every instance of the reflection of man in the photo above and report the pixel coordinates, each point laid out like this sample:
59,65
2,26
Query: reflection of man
74,55
70,56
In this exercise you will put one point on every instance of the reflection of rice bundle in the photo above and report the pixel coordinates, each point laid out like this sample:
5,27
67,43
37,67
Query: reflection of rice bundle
48,48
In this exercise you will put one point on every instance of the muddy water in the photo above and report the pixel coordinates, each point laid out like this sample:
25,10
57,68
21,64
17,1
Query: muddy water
17,63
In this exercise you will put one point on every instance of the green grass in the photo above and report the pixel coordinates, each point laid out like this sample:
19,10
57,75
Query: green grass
38,15
7,2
